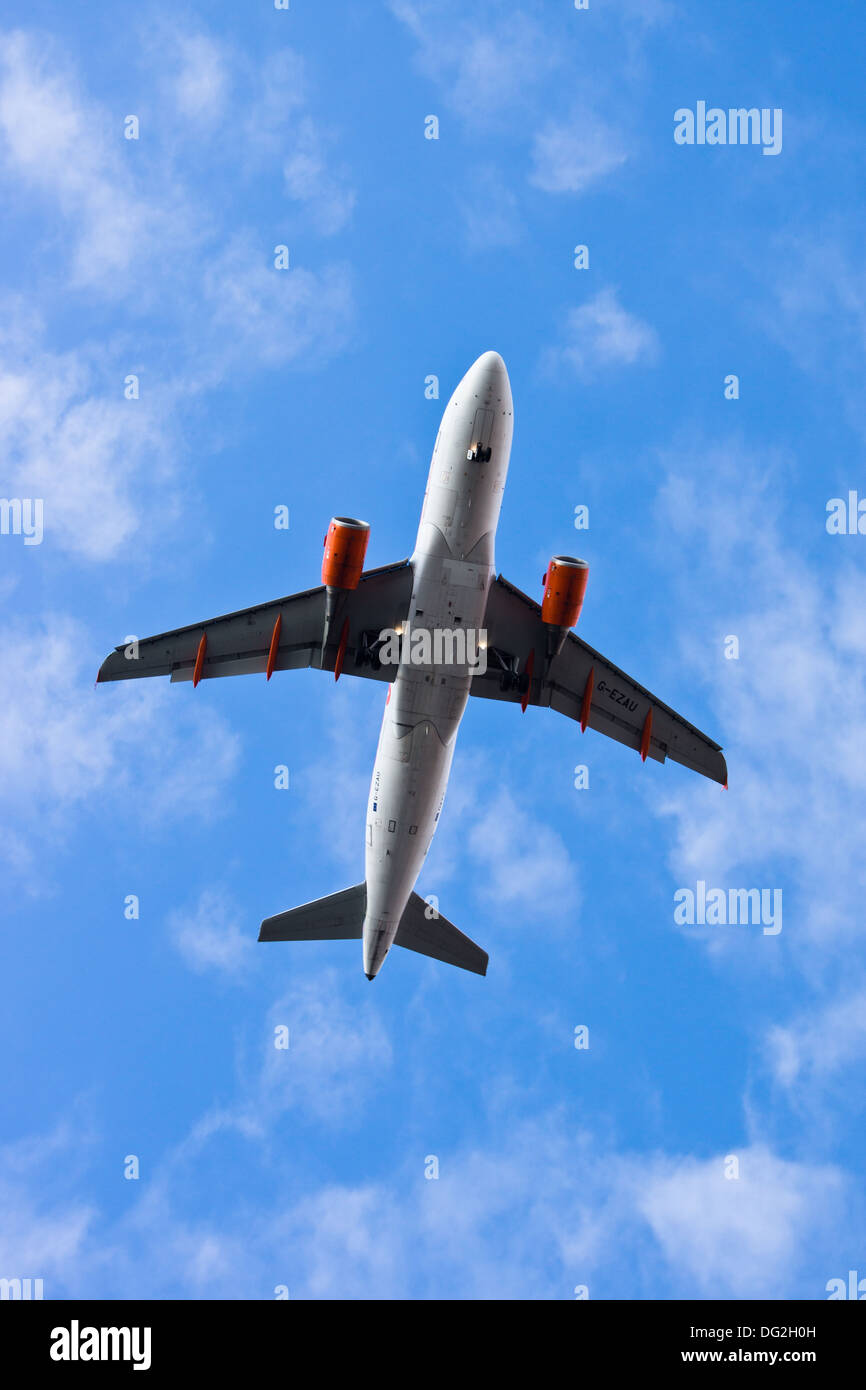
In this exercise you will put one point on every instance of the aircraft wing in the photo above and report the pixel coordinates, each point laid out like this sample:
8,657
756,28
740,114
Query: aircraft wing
282,635
586,686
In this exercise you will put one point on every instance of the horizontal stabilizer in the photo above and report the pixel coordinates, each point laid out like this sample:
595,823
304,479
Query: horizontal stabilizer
437,937
339,917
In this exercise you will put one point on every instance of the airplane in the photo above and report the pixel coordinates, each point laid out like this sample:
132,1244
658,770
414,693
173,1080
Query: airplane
503,646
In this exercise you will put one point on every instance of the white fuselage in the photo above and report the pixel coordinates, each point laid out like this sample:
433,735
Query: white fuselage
453,567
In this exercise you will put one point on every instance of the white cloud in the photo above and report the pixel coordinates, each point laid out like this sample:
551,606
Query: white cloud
739,1237
273,317
212,936
819,1044
485,64
309,180
68,151
41,1236
494,66
126,226
817,308
69,437
569,156
280,129
602,334
338,1054
506,1219
202,80
103,464
789,708
62,742
519,861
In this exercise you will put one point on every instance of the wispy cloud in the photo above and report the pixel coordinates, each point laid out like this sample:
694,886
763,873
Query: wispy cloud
62,743
273,319
601,334
318,1055
568,156
518,861
502,1220
817,308
139,230
485,64
818,1045
794,666
70,437
210,935
743,1236
58,145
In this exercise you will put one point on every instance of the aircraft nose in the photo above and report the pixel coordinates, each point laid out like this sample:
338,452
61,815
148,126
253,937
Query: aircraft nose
490,367
490,361
488,377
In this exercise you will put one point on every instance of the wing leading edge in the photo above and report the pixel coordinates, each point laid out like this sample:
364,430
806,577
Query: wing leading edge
586,687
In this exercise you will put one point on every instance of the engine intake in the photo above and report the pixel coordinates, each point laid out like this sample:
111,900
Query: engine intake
345,549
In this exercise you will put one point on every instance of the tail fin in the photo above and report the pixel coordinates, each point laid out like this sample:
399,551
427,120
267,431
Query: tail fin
339,917
439,938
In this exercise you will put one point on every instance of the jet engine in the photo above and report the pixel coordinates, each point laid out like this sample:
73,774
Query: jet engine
345,548
343,563
564,589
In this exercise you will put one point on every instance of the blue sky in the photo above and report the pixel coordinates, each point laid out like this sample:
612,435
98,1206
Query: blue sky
602,1167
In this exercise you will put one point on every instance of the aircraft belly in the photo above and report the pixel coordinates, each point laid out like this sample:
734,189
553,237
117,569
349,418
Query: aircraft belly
406,796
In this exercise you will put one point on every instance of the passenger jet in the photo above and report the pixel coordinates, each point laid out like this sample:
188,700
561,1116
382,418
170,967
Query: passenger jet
448,587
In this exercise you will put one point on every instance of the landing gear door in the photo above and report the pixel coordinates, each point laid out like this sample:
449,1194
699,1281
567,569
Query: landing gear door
482,433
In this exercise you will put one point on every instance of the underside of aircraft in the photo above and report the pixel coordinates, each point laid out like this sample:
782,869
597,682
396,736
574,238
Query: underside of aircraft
532,658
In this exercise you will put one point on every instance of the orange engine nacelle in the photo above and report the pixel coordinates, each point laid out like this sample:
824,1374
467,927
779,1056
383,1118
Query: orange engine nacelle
345,548
564,588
